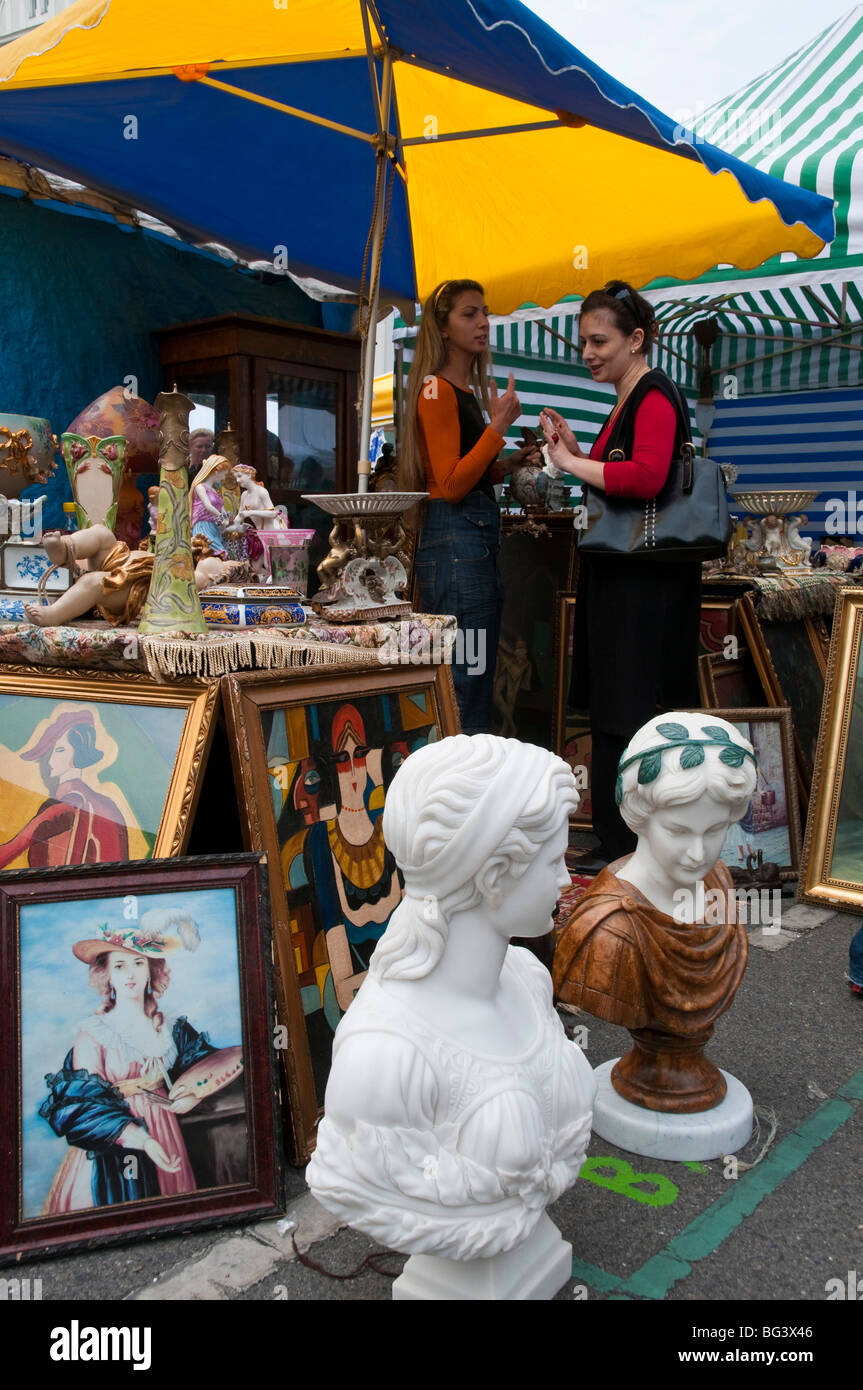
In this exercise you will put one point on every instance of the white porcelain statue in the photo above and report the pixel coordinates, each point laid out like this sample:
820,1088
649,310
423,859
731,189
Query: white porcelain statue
457,1109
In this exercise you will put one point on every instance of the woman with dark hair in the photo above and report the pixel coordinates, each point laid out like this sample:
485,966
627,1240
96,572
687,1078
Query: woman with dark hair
636,621
76,825
449,451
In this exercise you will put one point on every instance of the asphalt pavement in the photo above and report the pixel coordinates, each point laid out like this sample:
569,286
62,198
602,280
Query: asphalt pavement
780,1224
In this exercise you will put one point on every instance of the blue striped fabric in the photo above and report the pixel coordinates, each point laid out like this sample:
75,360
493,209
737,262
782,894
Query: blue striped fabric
810,439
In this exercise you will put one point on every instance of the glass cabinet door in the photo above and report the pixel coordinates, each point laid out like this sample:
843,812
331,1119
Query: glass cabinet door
301,432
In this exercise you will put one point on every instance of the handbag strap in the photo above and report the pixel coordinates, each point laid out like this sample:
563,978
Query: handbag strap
687,448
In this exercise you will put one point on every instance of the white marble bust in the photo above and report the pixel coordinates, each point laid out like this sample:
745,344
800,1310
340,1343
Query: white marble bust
456,1108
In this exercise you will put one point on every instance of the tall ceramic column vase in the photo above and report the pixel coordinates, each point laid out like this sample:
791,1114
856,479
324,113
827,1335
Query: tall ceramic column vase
172,604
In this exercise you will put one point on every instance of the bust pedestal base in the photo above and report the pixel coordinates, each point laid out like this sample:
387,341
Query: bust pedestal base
533,1271
658,1134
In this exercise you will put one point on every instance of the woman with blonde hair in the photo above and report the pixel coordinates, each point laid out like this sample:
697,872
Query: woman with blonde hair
449,451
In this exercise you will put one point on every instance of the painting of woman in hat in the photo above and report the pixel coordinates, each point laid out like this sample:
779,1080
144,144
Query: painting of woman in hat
75,825
109,1100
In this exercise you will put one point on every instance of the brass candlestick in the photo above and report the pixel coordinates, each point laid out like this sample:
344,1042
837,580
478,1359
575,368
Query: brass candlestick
172,604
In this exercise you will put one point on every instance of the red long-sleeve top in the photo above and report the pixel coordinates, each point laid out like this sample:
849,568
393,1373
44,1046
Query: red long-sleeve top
451,474
645,473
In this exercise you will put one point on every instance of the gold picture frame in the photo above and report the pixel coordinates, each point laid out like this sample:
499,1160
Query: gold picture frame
833,842
98,768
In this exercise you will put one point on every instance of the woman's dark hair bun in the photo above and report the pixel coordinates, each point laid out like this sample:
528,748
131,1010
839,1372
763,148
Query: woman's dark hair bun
628,308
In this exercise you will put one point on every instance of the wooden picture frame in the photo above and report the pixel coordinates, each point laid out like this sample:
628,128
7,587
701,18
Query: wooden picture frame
772,823
69,1092
537,559
718,621
797,656
572,739
298,746
832,867
62,732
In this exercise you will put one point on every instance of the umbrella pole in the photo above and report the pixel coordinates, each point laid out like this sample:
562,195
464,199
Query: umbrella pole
382,103
364,465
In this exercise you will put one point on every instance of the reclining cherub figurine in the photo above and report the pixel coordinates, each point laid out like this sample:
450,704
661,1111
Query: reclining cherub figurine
116,580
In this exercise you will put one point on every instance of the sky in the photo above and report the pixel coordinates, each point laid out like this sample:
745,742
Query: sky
682,55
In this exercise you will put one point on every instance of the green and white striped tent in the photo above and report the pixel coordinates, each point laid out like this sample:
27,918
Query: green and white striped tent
788,364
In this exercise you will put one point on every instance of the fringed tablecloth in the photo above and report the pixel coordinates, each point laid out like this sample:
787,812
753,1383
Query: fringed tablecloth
421,639
786,597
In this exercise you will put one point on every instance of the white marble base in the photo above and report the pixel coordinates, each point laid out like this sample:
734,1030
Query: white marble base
533,1271
686,1138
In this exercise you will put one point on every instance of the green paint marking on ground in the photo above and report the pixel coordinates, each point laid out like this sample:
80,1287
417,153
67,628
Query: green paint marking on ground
595,1278
713,1226
697,1167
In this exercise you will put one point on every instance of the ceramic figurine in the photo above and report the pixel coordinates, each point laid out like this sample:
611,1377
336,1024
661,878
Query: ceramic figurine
27,449
95,468
153,508
116,580
172,604
208,510
119,412
256,505
457,1109
655,944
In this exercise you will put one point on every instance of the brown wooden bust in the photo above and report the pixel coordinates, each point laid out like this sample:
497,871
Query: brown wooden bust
667,982
622,955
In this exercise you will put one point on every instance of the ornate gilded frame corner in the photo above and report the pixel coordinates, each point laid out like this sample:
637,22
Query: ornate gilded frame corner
198,698
816,884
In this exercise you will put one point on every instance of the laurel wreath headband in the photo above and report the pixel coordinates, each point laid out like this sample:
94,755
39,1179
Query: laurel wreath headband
678,736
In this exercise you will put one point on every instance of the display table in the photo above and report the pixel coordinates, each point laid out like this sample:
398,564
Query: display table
784,597
420,638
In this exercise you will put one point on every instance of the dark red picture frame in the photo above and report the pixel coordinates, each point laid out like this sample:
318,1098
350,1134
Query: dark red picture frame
256,1198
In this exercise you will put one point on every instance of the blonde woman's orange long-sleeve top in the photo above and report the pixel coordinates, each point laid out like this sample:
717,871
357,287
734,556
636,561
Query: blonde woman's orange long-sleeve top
456,445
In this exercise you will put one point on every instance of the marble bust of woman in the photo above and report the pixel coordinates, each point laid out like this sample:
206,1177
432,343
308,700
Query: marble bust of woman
456,1108
655,944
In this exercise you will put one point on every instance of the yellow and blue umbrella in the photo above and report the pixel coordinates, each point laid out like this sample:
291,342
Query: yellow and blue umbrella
501,151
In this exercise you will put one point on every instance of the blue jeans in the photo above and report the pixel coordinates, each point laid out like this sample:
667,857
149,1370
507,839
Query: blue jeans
456,570
855,959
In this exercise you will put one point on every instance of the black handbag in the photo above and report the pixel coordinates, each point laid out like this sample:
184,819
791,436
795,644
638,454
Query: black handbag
687,520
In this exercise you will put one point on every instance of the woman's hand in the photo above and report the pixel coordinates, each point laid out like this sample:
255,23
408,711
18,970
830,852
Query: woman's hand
528,456
154,1150
559,427
559,453
504,410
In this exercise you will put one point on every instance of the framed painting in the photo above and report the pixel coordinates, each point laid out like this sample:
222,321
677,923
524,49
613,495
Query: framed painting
718,622
770,829
731,683
314,756
97,769
797,656
536,565
139,1087
832,870
572,737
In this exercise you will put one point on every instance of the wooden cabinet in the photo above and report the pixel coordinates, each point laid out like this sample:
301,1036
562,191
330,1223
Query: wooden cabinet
288,389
